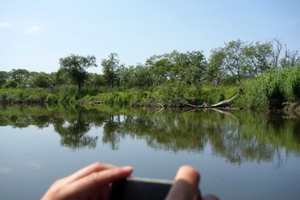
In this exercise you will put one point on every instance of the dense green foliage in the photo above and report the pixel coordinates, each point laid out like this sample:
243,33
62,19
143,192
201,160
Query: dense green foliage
74,66
273,89
30,95
171,79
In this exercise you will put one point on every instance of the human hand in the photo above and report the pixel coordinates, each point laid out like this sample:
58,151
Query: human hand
185,186
90,182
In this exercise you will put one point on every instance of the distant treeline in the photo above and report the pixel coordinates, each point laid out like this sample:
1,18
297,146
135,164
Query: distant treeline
173,76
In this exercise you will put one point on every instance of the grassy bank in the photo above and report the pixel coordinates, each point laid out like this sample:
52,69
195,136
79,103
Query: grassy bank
272,90
133,97
58,95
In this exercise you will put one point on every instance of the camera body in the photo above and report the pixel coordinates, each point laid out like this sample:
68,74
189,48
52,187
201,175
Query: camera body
139,188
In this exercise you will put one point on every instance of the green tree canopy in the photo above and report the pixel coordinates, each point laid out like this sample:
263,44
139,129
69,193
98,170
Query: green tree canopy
239,60
40,80
3,77
21,76
75,67
111,68
214,72
187,67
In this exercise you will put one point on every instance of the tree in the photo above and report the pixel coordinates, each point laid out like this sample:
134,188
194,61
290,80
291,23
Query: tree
215,72
95,80
235,60
59,78
110,69
276,53
118,74
142,76
3,77
75,67
41,80
127,76
159,66
290,58
21,76
10,84
239,60
258,58
193,67
186,67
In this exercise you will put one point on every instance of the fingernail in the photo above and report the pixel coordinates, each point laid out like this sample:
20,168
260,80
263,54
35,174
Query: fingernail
127,168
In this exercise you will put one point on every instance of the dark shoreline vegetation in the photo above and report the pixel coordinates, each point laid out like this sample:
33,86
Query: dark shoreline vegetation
262,78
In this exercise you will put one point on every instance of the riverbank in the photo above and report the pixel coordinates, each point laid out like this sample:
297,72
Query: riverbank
130,97
138,98
275,90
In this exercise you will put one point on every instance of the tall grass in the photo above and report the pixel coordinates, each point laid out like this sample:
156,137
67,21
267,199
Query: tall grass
63,94
271,90
26,95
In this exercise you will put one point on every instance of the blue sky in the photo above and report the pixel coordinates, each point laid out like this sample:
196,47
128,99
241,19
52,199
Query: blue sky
34,34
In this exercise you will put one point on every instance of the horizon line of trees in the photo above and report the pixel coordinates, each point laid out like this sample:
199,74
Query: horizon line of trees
228,65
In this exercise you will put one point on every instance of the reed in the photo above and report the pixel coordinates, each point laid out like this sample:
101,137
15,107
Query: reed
273,89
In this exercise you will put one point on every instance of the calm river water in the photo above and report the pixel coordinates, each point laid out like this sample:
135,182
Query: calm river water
240,155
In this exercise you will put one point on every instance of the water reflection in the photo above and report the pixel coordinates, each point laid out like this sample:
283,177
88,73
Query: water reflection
237,136
73,132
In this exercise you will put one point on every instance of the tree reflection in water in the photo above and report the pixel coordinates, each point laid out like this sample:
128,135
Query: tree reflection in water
73,133
239,136
111,134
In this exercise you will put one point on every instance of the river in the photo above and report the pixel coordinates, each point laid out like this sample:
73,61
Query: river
240,154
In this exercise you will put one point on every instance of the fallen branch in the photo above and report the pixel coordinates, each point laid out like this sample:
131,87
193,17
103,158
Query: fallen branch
217,105
226,102
161,105
190,105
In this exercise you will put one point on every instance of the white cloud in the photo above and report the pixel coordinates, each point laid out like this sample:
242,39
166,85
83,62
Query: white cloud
295,21
5,170
35,164
4,24
33,30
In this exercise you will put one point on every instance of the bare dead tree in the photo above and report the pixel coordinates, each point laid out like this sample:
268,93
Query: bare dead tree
290,58
276,53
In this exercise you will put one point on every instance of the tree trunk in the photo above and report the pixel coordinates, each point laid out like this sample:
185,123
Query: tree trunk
225,103
217,105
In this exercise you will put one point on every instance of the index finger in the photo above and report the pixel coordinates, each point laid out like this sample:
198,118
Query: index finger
95,167
185,184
